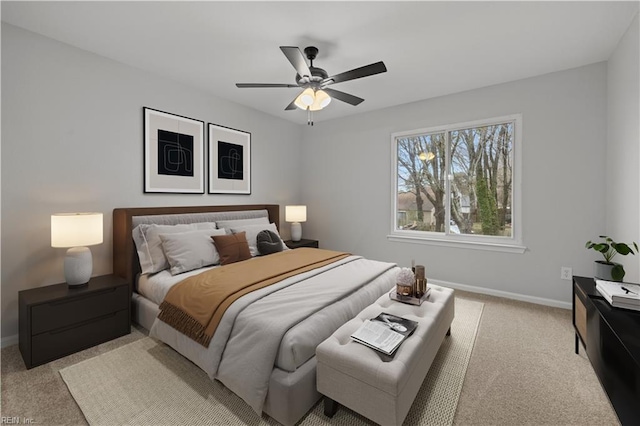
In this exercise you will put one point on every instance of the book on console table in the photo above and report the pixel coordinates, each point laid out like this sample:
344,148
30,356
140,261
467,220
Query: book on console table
385,332
620,295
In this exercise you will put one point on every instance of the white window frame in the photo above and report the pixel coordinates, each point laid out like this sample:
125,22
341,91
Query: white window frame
513,244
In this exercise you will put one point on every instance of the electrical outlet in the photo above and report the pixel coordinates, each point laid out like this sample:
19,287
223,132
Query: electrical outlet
566,273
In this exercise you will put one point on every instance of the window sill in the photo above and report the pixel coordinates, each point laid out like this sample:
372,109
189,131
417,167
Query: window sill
475,245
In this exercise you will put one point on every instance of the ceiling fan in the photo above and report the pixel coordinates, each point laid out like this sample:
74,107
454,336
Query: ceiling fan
314,81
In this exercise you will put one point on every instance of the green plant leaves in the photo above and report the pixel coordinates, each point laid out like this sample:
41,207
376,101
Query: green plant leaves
622,248
602,247
617,272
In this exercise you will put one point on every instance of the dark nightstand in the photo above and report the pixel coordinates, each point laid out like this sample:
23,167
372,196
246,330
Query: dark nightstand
301,243
56,320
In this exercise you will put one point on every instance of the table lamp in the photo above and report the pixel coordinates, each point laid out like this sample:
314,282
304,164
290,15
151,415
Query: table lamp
76,231
295,214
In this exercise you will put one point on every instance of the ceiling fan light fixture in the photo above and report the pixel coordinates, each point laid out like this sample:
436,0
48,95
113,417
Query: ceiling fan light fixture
305,99
322,98
321,101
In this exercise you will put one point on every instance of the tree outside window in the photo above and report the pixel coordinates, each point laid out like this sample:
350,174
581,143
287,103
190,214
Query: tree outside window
457,180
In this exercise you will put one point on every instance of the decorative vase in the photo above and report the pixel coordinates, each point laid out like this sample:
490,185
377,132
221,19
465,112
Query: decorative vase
421,281
608,271
421,287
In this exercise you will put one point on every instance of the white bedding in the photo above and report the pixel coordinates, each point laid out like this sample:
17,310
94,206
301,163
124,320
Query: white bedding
155,286
278,325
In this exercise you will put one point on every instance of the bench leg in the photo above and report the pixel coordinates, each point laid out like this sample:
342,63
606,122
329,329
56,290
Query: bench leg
449,332
330,407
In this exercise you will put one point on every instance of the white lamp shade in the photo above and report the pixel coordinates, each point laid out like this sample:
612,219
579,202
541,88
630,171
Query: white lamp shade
321,101
295,213
305,99
76,229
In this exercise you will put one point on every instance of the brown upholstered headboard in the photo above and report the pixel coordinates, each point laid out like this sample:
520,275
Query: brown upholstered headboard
125,257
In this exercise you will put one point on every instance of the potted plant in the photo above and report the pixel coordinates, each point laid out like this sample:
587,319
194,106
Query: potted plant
606,269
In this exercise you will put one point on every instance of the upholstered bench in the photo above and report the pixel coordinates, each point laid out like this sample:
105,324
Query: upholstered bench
379,387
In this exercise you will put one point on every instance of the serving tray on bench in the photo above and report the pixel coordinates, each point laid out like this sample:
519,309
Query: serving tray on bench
410,300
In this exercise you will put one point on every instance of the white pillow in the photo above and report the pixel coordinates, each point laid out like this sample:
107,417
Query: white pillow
186,251
234,223
252,232
149,246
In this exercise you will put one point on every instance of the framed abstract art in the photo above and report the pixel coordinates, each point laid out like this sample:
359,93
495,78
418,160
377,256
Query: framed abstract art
229,160
173,153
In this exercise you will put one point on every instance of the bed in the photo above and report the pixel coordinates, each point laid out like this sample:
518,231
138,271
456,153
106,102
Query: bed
285,321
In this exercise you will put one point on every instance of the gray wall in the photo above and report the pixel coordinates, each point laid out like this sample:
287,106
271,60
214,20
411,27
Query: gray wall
623,146
72,141
347,182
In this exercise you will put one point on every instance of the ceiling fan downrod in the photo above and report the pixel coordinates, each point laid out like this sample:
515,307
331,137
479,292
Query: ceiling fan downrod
311,52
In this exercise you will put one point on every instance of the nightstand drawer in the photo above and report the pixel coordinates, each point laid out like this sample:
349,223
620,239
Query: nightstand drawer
56,344
53,315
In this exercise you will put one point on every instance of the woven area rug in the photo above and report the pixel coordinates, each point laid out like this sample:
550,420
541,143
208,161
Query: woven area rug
148,383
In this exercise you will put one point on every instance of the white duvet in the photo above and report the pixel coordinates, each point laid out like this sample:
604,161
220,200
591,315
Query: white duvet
281,325
156,286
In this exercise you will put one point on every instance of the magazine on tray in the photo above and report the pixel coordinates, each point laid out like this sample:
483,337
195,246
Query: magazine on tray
385,332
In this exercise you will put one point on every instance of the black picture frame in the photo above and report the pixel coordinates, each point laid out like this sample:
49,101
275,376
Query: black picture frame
173,153
229,160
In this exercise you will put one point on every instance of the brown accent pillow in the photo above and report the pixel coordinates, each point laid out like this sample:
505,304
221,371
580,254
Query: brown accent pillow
232,248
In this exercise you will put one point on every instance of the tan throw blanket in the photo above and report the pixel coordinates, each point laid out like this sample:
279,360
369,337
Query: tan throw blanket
196,305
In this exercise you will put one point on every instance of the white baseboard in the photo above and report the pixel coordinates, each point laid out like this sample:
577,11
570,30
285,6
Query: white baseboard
9,341
505,294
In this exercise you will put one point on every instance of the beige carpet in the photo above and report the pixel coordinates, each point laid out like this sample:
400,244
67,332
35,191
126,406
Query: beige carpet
147,383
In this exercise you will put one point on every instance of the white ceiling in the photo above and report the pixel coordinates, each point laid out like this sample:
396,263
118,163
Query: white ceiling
430,48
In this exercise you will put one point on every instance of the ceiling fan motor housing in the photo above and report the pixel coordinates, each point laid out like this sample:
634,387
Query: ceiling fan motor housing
317,75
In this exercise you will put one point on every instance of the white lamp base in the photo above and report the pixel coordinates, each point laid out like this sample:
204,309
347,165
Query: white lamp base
78,265
296,231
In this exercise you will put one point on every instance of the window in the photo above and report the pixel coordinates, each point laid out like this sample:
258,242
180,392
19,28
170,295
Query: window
459,184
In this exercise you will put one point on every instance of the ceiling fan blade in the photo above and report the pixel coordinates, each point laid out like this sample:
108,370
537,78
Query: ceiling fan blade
365,71
344,97
295,56
253,85
291,106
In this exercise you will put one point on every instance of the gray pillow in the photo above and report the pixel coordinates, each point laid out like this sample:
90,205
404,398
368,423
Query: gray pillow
268,242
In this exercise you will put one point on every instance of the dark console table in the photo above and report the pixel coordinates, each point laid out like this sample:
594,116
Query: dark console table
611,337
